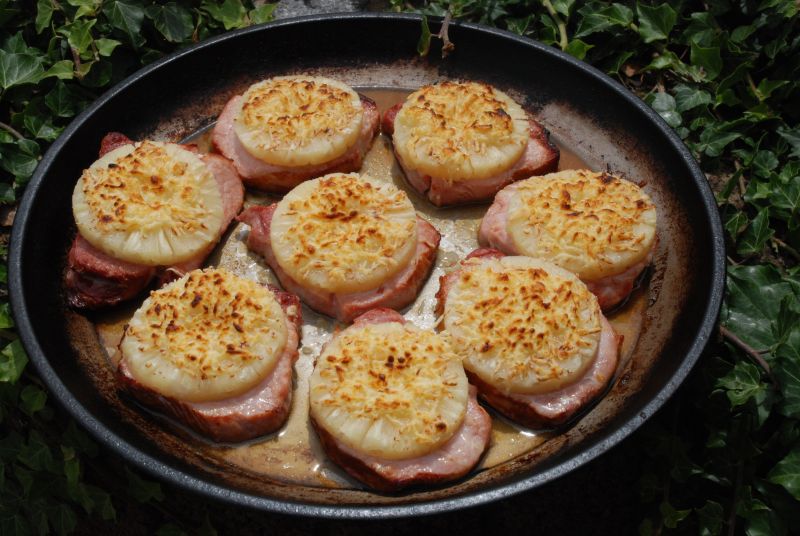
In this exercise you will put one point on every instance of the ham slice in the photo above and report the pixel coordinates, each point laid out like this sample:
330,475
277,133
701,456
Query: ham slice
395,293
547,409
451,461
258,174
258,411
94,279
540,157
611,290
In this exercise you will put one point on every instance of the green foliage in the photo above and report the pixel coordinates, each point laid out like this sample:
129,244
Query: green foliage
55,58
726,77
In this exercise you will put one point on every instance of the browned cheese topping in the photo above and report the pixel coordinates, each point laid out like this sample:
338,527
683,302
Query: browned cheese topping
591,223
522,325
207,336
389,390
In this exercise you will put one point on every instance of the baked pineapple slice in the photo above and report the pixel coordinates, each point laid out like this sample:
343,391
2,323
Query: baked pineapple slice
208,336
460,131
298,120
522,325
389,390
591,223
149,203
344,233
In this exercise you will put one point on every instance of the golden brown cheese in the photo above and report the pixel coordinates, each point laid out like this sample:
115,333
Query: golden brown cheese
522,325
591,223
389,390
208,336
298,120
460,131
344,233
150,203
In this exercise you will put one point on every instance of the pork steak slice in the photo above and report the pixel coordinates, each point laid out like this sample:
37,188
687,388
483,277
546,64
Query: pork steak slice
259,411
449,462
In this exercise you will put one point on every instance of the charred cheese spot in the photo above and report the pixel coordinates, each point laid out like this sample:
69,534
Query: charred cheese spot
459,131
344,233
593,224
298,120
150,203
389,390
522,325
208,336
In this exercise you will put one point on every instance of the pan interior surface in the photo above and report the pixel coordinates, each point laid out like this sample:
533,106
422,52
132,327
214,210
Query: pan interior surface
589,115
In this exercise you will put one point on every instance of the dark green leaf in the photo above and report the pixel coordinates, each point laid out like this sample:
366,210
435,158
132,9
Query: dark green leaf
13,524
735,223
126,16
44,14
106,46
18,69
671,516
792,136
33,399
655,23
62,518
578,48
170,529
60,101
143,490
599,20
664,104
709,518
742,383
424,43
63,70
36,454
79,35
519,25
5,316
12,362
230,13
756,235
85,7
173,21
688,98
707,58
20,159
262,14
788,374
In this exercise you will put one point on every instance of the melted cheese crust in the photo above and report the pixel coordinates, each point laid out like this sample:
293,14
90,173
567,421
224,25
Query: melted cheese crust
522,325
208,336
149,203
389,390
298,120
344,233
593,224
459,131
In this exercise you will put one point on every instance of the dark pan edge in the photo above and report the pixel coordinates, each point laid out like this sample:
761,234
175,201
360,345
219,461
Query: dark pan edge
158,469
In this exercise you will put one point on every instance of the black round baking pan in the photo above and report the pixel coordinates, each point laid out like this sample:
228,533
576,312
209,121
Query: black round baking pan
181,94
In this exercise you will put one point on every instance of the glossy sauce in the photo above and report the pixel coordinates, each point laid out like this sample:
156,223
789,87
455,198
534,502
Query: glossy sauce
293,454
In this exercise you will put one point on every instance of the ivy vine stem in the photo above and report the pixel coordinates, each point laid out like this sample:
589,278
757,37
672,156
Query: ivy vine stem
562,26
14,132
750,351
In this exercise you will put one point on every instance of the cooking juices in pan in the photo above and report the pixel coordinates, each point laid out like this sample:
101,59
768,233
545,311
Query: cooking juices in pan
293,454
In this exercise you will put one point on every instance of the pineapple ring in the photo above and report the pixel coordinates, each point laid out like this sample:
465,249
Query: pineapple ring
459,131
208,336
389,390
149,203
298,120
590,223
344,233
523,325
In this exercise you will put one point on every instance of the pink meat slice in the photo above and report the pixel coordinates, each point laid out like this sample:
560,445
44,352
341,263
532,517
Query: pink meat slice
258,411
263,176
452,460
610,290
540,157
549,409
94,279
395,293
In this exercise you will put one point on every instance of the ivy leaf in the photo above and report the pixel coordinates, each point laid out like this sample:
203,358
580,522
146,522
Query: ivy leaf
21,159
36,453
599,20
708,58
756,235
578,48
742,383
62,518
143,490
105,47
33,399
424,43
12,362
79,35
671,516
17,69
709,518
126,16
63,70
786,473
174,22
60,101
263,13
688,98
655,23
44,14
665,105
792,136
788,374
5,317
230,13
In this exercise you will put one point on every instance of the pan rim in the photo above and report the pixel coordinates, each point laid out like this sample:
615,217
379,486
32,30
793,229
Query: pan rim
202,486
